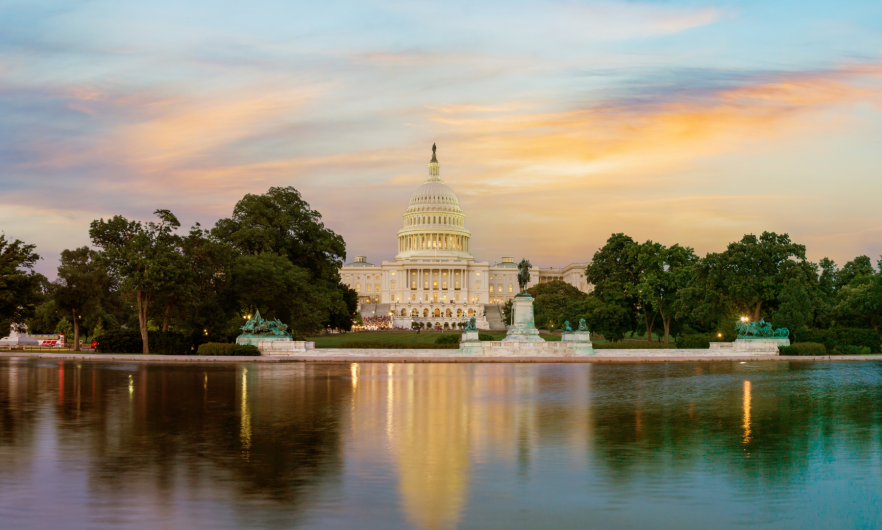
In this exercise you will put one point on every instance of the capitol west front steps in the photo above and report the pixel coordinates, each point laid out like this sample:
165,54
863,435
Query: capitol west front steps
494,317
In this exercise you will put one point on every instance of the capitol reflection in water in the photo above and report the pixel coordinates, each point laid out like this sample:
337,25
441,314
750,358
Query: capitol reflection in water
144,445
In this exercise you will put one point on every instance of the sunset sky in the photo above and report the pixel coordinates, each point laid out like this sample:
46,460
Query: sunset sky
557,123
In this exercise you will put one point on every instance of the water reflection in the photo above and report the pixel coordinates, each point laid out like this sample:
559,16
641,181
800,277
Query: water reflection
100,445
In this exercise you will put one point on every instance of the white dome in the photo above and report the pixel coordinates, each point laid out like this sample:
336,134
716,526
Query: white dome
434,193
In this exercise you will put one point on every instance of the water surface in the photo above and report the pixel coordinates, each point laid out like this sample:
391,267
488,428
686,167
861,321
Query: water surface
431,446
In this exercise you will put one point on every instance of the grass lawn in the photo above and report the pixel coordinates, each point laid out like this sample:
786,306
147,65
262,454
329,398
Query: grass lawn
409,337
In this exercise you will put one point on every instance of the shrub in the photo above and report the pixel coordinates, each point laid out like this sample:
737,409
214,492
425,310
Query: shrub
809,348
448,338
485,336
831,338
695,341
218,348
787,350
850,350
247,350
128,341
396,345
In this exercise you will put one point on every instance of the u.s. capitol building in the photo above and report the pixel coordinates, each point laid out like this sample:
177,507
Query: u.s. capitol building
434,279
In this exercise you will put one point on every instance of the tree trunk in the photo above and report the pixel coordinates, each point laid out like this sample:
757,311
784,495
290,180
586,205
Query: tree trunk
756,311
165,318
667,323
649,324
143,300
76,330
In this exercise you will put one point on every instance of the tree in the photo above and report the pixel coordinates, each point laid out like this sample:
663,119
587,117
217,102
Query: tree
281,224
859,266
19,284
860,303
610,319
747,277
664,272
80,287
551,301
794,308
142,257
614,272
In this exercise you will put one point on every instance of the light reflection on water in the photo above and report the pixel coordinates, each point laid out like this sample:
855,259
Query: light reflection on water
431,446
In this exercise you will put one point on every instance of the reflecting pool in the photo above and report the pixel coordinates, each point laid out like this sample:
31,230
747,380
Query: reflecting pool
432,446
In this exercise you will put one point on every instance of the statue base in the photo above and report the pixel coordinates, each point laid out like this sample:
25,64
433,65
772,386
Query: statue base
285,347
523,327
767,345
255,340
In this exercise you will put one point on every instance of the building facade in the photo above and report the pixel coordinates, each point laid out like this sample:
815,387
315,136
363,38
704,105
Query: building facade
434,280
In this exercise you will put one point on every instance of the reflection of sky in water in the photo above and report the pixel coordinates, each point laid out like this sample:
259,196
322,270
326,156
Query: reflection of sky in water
699,445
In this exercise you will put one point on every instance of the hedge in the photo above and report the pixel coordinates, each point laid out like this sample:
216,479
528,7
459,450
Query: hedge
396,345
485,337
160,342
698,340
228,349
803,348
850,350
448,338
831,338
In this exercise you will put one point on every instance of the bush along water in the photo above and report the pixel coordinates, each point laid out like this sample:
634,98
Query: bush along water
803,348
397,345
160,342
228,349
838,337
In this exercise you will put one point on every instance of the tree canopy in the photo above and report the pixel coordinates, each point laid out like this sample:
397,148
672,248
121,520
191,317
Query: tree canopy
20,285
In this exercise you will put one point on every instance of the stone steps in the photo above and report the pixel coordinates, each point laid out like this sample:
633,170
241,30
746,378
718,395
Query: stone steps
494,317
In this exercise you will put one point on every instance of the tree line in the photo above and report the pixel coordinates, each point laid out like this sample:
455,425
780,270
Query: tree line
647,288
273,254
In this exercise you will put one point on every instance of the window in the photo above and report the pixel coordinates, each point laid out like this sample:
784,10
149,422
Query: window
404,312
437,312
491,287
368,287
444,297
477,298
444,285
426,286
393,273
435,298
393,284
471,313
425,312
456,285
347,276
510,289
427,298
413,285
414,313
434,285
479,284
457,297
449,313
376,287
491,277
358,287
459,313
413,297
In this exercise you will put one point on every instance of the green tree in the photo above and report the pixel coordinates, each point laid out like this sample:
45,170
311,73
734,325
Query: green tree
281,223
20,290
664,272
859,266
614,272
81,284
747,277
860,303
794,308
141,256
610,319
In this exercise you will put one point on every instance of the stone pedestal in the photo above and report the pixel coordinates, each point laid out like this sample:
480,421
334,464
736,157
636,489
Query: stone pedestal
523,327
580,341
284,346
762,346
470,344
255,340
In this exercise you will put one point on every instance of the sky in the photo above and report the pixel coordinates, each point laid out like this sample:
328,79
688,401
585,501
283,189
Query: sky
557,123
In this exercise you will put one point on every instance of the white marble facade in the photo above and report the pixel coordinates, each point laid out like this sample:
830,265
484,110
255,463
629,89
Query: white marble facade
434,279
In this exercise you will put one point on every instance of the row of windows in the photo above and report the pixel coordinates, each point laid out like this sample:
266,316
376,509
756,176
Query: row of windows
438,313
499,288
435,220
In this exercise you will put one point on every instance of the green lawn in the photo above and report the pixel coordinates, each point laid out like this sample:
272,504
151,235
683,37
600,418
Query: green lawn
409,337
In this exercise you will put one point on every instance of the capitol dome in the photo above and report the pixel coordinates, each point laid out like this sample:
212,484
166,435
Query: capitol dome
434,224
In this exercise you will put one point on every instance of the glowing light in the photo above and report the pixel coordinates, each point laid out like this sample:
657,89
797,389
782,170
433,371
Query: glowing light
353,368
245,429
131,385
745,319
